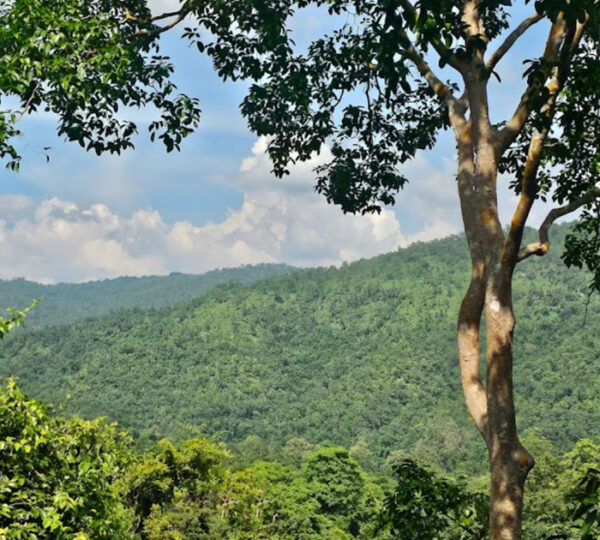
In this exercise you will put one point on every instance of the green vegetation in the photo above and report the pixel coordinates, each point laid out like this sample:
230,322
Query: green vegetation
424,506
78,479
85,62
57,476
70,478
69,302
15,318
363,357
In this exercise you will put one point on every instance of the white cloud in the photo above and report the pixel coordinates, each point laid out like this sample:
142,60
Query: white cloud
163,6
61,241
428,205
12,206
254,172
278,221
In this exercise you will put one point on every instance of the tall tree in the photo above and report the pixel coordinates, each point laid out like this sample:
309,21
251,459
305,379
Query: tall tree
367,89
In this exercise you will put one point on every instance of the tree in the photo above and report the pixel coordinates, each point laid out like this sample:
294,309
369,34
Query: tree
425,507
369,91
339,485
58,477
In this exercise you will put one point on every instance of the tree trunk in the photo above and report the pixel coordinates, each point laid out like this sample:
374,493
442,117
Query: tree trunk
492,408
491,405
509,460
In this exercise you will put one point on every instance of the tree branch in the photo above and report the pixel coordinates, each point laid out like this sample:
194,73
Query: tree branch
179,15
441,90
511,39
469,321
529,182
162,29
514,126
25,108
472,20
167,15
542,247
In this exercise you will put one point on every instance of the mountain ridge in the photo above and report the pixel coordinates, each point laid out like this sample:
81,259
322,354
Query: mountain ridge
69,302
364,352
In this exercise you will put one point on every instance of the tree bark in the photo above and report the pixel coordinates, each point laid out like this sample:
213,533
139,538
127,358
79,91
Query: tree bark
509,460
490,293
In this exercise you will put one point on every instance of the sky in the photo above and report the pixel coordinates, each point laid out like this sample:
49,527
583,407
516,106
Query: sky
214,204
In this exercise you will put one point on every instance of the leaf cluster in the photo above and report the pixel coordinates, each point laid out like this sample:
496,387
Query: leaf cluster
83,61
58,477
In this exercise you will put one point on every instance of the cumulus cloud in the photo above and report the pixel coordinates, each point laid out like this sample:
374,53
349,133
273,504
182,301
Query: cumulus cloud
58,240
254,173
163,6
278,221
12,206
428,205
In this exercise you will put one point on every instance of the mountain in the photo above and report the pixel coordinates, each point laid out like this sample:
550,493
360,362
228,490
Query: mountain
70,302
362,353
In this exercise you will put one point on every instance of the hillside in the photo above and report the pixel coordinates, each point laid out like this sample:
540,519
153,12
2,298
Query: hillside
69,302
366,351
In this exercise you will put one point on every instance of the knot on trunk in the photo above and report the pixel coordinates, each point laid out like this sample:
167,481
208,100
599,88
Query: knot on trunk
524,461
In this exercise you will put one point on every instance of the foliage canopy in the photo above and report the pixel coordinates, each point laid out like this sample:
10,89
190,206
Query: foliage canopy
84,61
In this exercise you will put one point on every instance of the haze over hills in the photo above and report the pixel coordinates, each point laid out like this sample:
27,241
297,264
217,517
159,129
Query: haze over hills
363,352
69,302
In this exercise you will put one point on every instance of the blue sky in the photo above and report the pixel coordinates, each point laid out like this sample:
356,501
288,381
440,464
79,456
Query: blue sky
214,204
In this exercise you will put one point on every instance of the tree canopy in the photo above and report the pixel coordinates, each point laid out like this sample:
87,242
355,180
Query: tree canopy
85,61
307,355
71,478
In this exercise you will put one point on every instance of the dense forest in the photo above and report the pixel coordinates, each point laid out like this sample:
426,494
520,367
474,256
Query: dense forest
72,478
361,356
69,302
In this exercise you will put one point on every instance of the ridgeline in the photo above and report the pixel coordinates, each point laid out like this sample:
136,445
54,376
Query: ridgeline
364,354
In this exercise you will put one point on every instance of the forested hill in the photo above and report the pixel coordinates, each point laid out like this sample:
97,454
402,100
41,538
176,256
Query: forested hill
364,352
69,302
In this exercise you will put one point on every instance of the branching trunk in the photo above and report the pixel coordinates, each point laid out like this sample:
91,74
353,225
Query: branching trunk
493,257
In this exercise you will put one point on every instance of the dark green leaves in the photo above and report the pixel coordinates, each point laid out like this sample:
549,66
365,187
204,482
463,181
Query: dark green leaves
586,497
85,61
353,90
582,246
572,11
424,506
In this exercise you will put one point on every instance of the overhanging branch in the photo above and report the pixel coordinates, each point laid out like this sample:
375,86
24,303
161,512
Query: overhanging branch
529,184
178,16
442,91
511,39
542,247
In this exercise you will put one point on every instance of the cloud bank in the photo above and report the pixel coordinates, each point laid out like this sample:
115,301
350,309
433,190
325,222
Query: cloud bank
278,221
57,240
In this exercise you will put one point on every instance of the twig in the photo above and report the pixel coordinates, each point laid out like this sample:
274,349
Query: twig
511,39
